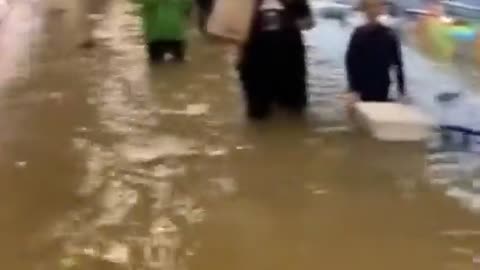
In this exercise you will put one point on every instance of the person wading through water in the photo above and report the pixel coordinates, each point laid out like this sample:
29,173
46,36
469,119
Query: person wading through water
165,26
272,62
373,51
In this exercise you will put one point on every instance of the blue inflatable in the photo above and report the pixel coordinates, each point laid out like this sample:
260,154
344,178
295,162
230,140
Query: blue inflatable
463,33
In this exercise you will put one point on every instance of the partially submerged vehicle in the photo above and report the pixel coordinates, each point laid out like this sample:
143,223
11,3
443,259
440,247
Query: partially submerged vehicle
466,9
332,9
348,11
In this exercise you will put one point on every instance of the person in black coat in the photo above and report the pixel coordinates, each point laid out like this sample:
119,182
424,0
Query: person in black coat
272,64
374,50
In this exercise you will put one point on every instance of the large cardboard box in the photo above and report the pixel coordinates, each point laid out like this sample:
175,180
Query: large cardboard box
394,122
231,19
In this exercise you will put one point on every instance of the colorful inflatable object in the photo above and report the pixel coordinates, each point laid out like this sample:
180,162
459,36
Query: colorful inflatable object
440,37
463,33
435,38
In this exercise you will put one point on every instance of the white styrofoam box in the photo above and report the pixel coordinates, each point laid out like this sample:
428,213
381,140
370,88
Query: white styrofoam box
394,122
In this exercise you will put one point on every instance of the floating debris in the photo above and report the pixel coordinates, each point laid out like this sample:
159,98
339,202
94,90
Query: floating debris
462,251
163,225
117,202
161,193
330,130
21,164
96,17
197,109
80,143
212,77
57,96
216,151
312,141
81,129
165,146
226,185
117,253
190,110
186,208
244,147
442,158
168,57
468,199
315,190
190,253
476,260
459,193
68,263
319,192
450,172
181,96
461,233
92,101
162,171
441,181
92,252
191,86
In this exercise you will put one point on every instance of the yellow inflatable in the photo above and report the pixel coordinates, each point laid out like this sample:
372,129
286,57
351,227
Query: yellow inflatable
433,37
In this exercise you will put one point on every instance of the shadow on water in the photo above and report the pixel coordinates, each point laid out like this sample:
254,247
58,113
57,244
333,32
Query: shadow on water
112,164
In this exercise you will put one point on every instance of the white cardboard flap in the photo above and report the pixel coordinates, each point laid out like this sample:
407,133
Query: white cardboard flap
231,19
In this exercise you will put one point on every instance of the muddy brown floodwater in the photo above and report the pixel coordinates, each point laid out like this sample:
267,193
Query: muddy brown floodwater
106,163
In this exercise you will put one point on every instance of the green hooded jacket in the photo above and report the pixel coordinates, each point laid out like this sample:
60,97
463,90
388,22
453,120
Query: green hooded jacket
165,19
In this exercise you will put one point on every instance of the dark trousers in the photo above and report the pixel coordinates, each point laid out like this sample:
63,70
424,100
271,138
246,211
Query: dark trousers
375,94
158,49
273,72
202,20
204,10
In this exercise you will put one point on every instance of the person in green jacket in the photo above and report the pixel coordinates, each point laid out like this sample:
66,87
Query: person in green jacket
165,26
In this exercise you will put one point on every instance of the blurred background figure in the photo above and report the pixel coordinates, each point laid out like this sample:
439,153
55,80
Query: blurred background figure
272,65
337,10
373,51
435,8
165,27
18,31
92,9
4,9
78,17
204,8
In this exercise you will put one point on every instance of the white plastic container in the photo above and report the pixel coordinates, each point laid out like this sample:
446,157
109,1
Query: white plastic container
394,122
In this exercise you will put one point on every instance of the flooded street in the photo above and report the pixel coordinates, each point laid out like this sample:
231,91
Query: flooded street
107,163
